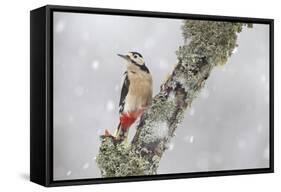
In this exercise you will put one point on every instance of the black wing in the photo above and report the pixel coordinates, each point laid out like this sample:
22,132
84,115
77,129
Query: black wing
124,92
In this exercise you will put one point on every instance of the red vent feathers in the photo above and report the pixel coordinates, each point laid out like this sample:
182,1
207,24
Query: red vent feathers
127,119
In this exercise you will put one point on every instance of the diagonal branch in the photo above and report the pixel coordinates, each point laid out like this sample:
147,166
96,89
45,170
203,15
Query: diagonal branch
207,44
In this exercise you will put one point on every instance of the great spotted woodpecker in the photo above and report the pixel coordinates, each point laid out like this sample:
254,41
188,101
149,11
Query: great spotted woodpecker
136,93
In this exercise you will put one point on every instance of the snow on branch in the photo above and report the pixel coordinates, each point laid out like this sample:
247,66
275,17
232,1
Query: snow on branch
207,44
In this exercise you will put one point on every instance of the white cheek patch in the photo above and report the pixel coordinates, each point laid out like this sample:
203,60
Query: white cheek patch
141,61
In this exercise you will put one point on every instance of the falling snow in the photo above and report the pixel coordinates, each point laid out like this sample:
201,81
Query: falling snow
59,27
263,78
116,88
110,105
189,139
241,144
171,146
259,128
95,65
70,118
234,50
63,34
191,111
86,165
266,153
68,173
163,65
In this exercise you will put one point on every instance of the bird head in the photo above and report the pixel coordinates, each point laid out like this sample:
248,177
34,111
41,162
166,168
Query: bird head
135,61
133,58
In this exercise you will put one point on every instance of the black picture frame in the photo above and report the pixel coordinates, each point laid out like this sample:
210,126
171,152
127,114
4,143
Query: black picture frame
41,91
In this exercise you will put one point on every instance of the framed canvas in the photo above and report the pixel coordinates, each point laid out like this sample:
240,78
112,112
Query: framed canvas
122,95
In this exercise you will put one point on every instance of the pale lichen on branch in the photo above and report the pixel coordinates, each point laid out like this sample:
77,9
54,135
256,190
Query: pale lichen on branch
207,44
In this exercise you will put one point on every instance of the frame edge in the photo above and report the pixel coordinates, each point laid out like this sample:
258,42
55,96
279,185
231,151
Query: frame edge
37,96
43,131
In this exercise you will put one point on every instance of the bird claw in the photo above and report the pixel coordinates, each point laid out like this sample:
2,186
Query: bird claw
107,133
115,139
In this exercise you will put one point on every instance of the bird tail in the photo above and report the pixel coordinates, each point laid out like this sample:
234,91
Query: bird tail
120,134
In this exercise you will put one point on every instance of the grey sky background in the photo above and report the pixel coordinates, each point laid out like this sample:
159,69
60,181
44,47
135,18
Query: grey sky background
226,128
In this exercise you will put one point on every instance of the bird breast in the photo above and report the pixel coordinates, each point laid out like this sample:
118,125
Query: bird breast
140,91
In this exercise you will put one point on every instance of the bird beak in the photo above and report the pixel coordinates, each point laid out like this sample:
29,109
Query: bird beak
126,57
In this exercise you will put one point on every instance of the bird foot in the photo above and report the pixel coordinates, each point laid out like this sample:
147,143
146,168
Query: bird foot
115,139
107,134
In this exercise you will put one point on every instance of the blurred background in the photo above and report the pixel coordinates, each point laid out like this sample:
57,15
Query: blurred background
227,127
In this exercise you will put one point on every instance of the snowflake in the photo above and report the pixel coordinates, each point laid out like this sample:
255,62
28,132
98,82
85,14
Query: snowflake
163,65
110,105
95,65
189,139
259,128
68,173
266,153
116,88
241,144
234,50
86,165
263,78
191,111
59,27
70,118
171,146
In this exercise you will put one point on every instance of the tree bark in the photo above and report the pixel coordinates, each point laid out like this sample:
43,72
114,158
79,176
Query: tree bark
207,44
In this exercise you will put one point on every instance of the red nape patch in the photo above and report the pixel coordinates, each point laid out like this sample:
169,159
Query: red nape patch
127,119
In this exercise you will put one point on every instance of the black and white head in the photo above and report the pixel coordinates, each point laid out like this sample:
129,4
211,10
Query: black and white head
135,58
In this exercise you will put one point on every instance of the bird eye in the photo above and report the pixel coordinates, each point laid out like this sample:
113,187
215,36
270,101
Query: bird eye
135,56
